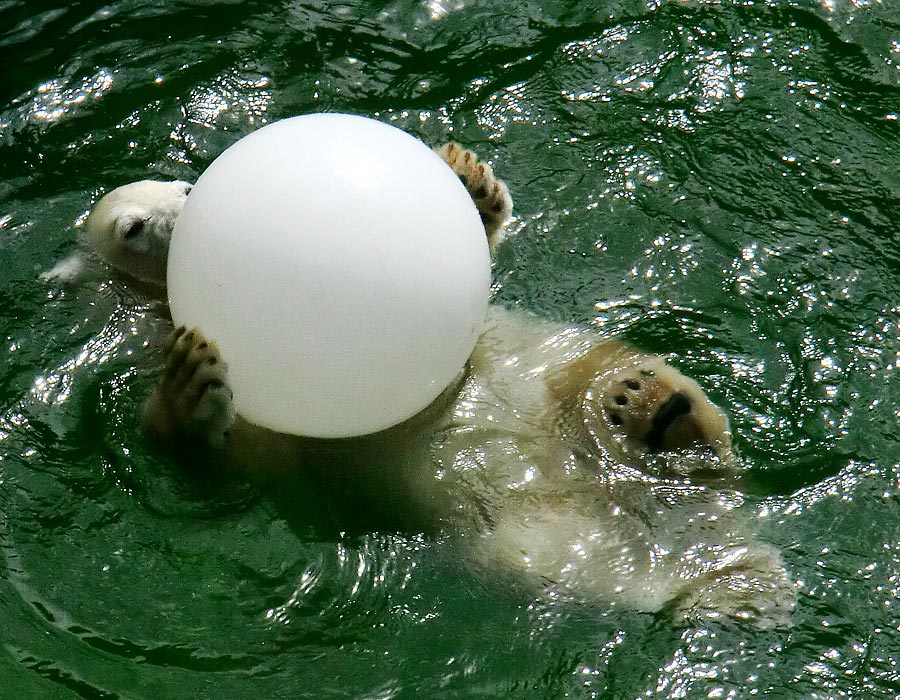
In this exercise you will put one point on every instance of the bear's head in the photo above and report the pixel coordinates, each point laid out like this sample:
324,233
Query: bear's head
130,228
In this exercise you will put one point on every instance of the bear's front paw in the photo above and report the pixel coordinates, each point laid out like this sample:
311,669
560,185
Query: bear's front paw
490,195
65,271
192,401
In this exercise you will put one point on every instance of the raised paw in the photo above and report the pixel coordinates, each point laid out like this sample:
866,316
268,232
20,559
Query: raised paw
490,195
652,411
192,402
649,408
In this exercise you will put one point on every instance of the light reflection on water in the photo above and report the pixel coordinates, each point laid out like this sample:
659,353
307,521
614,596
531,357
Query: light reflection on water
55,386
58,98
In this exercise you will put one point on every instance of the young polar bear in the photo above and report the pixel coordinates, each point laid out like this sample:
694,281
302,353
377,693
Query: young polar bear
571,463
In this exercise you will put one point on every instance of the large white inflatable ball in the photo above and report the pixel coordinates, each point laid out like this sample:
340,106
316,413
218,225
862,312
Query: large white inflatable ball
341,268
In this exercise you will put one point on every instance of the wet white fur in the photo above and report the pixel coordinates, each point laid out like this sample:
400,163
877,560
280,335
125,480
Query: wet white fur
129,229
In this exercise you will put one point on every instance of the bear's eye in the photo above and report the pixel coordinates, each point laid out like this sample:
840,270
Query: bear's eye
134,229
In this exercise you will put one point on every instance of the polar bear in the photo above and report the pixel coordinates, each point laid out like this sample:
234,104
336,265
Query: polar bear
578,466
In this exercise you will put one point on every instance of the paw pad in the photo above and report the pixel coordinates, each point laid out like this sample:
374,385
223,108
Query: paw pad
615,418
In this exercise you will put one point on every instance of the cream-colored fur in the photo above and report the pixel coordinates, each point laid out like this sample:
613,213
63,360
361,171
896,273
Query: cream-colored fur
129,229
571,464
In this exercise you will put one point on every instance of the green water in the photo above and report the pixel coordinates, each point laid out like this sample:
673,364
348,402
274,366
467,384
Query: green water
716,180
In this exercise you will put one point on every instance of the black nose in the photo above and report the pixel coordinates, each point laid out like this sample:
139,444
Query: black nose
678,404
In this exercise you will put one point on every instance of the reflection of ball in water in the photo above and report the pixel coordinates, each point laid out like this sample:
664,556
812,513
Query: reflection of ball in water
340,266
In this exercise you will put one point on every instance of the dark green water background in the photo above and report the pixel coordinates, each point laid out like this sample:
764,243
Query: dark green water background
718,181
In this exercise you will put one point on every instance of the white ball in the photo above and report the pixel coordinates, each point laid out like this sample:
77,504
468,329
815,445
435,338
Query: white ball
340,266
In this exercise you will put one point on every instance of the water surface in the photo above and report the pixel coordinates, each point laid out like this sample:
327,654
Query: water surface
715,180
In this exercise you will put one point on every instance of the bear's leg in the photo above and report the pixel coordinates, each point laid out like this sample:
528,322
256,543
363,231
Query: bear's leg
490,195
192,404
754,588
